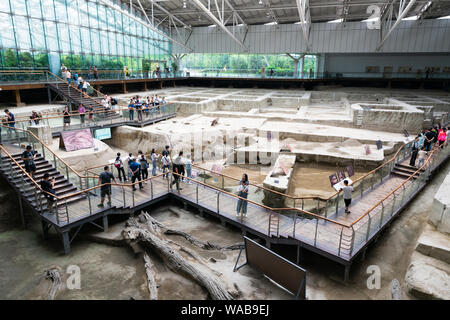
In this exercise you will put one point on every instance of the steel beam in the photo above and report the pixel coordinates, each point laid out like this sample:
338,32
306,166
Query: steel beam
305,19
149,25
400,16
218,22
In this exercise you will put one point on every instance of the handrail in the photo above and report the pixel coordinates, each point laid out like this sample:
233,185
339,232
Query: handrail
59,115
102,94
309,197
24,171
48,148
393,191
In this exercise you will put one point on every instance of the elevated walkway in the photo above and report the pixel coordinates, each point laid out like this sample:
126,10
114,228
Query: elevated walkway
316,224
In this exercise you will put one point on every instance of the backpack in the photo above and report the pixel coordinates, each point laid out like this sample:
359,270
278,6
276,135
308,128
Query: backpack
144,163
117,163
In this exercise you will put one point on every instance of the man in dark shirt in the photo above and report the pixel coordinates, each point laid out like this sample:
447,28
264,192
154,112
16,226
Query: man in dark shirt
105,178
429,136
166,152
135,169
48,186
28,158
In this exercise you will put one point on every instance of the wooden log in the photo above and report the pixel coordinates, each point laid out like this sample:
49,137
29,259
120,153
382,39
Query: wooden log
175,261
54,275
153,223
151,282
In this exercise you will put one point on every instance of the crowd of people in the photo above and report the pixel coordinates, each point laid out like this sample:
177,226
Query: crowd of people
78,82
436,135
146,105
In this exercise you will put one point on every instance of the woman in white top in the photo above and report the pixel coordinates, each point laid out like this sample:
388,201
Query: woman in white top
154,158
166,165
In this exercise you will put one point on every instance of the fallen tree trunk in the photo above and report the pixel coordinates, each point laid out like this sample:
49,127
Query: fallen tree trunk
151,283
146,218
175,261
54,275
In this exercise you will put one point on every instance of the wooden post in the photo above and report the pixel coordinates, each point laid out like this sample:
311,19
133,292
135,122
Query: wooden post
145,85
19,103
124,87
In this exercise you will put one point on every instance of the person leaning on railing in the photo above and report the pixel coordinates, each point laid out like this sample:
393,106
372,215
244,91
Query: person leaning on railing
48,186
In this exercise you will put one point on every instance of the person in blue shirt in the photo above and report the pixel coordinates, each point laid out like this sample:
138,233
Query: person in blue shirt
135,173
11,121
131,109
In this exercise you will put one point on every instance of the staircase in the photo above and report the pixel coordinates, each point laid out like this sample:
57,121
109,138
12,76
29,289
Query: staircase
28,190
405,171
74,96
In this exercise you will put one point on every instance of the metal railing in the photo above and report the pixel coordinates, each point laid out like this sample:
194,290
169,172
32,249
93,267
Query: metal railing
21,75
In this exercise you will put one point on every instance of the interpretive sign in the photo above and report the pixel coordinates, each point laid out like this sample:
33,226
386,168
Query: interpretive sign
350,171
282,271
76,140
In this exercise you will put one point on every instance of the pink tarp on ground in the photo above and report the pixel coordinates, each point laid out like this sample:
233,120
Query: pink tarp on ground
76,140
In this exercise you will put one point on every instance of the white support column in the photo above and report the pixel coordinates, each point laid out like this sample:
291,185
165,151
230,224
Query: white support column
305,19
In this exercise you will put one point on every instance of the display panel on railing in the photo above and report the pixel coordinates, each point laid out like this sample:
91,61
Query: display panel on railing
76,140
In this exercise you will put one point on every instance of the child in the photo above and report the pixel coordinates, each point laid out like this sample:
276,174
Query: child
421,157
347,196
188,166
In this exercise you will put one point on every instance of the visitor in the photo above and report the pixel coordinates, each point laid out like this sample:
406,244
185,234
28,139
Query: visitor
28,157
163,105
188,165
429,136
90,110
35,117
131,110
104,180
80,83
68,77
421,139
82,112
135,173
442,137
165,165
271,72
47,187
66,117
10,118
347,195
263,72
118,163
177,169
435,131
154,158
241,203
75,78
244,179
138,106
415,150
95,71
144,165
421,157
85,86
128,160
63,69
166,151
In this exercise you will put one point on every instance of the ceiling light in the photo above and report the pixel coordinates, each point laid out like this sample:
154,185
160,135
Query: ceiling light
184,4
212,26
410,18
270,23
260,2
445,17
336,21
